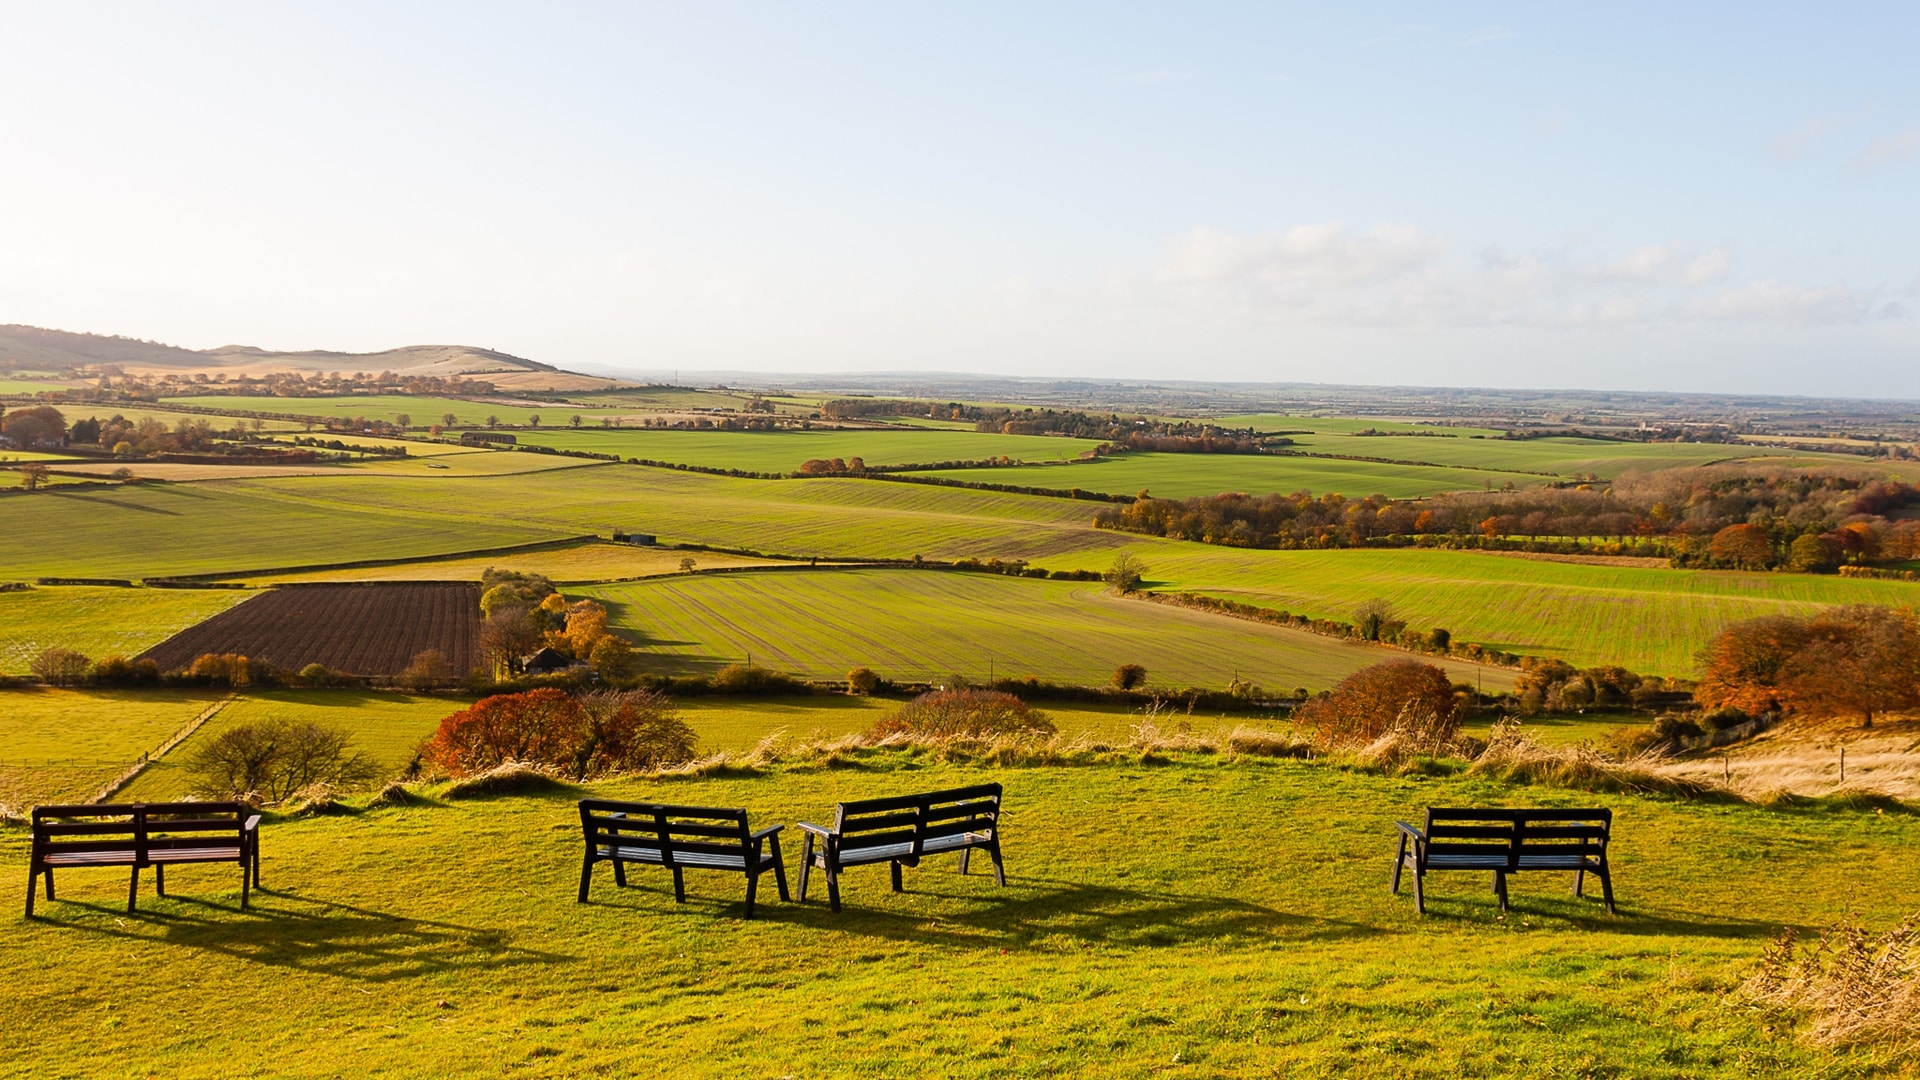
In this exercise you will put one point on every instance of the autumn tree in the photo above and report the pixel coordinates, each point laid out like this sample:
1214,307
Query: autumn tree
862,680
1125,573
1129,676
1372,616
60,667
590,736
1861,659
41,425
32,475
1749,665
968,713
1812,553
614,660
1747,547
1405,697
275,759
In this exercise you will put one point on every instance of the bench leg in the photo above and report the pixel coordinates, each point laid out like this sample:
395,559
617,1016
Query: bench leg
49,883
619,873
895,868
753,886
1606,889
679,885
780,872
586,876
806,864
160,879
833,889
133,889
1419,891
1399,863
246,883
964,853
999,868
256,862
33,883
1500,888
1579,882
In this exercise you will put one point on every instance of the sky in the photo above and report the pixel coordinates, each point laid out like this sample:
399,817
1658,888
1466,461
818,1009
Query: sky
1621,196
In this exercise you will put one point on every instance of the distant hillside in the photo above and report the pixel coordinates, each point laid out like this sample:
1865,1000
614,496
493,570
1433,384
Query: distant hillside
37,349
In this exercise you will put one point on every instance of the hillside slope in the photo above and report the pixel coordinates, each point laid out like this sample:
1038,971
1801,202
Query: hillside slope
37,348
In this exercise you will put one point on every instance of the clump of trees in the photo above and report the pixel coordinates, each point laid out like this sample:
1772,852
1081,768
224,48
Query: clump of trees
1406,698
272,760
60,667
1861,660
37,427
965,712
590,735
1129,676
1716,517
522,613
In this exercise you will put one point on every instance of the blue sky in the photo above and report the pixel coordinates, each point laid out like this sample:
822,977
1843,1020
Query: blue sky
1649,197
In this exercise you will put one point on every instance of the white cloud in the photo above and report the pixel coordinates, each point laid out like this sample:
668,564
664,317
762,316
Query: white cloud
1396,274
1486,35
1902,146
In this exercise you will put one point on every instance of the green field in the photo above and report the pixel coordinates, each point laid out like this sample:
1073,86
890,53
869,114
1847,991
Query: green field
99,622
785,451
925,626
1198,919
422,411
386,727
1182,476
1650,619
1340,425
63,745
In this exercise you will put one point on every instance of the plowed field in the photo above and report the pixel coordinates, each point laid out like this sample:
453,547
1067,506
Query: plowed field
357,629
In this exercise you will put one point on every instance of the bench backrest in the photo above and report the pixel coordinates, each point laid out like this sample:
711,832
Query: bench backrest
1511,833
915,819
135,827
708,830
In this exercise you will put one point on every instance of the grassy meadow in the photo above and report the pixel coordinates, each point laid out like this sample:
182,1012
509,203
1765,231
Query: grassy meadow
99,621
1181,476
422,411
1194,919
63,745
916,626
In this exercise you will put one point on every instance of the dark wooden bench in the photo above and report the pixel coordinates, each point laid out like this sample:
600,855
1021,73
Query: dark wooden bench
1506,842
679,838
902,830
137,835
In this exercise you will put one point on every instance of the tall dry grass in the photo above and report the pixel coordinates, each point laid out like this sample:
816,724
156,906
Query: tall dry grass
1853,986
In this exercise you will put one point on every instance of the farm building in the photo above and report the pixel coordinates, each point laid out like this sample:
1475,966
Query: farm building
637,539
546,662
484,438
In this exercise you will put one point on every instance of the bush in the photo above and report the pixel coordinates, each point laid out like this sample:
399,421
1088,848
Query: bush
1670,726
1722,719
551,729
316,675
1126,573
1128,676
966,713
756,682
275,759
61,667
862,680
119,671
1412,700
227,669
1857,986
428,670
614,660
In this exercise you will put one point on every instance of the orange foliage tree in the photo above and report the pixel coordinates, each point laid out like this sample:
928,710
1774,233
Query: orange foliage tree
1403,696
1861,659
590,736
1748,547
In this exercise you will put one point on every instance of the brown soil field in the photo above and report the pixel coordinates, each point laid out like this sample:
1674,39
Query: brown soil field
373,630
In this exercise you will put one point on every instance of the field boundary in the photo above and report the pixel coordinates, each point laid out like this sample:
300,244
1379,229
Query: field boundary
361,564
185,733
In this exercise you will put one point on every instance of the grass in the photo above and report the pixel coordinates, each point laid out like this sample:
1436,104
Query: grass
1180,476
58,745
785,451
99,622
1565,457
386,727
1254,936
925,626
156,530
423,411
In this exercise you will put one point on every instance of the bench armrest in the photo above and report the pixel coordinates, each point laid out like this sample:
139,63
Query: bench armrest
252,823
820,831
766,832
1416,834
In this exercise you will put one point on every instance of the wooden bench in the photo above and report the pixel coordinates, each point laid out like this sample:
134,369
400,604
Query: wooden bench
137,835
678,838
901,831
1506,842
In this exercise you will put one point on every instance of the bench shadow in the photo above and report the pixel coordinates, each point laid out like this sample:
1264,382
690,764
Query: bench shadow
288,930
1027,910
1483,908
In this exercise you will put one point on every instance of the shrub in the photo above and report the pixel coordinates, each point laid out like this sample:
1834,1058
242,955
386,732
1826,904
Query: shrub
1670,726
862,680
966,713
541,726
119,671
1128,676
316,675
228,669
614,660
507,778
629,731
1125,573
751,682
275,759
61,667
1404,697
428,670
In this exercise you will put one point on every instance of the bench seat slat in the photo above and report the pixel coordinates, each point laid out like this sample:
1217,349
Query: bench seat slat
194,854
889,852
122,857
705,859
